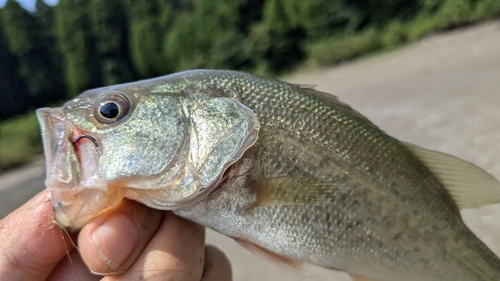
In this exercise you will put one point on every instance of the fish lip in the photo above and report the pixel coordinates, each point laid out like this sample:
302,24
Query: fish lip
56,129
71,167
52,125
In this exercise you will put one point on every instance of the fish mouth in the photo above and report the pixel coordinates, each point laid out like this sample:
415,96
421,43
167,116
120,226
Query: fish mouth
72,160
52,127
85,136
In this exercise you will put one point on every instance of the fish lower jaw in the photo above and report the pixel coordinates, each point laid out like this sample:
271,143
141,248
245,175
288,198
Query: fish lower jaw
75,208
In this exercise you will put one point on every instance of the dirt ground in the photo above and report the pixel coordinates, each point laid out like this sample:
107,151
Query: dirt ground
441,93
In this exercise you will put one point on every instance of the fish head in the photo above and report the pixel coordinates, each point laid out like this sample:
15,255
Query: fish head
163,142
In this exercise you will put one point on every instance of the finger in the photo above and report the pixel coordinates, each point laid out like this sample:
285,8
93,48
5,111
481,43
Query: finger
176,252
217,266
110,243
72,268
31,244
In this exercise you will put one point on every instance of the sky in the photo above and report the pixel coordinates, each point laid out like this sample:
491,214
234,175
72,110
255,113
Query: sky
30,4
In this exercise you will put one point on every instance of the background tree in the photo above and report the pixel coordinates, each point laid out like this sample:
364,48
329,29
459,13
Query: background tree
212,36
57,52
109,22
32,45
12,88
74,34
150,21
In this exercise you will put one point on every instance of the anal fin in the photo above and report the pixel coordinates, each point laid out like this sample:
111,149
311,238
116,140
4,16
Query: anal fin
303,268
356,277
484,222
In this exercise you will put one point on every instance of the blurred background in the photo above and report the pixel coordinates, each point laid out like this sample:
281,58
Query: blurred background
52,50
425,71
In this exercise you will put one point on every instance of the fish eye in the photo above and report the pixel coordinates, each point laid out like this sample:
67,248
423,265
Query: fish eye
111,108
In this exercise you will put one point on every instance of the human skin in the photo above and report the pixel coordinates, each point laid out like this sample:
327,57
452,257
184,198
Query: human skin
125,243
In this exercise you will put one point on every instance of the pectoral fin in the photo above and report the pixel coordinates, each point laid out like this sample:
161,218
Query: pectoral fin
469,186
294,191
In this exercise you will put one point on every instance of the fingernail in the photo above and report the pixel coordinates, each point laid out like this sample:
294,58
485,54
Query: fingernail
115,240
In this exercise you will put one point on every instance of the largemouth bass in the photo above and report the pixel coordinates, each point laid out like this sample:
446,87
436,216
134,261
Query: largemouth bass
282,168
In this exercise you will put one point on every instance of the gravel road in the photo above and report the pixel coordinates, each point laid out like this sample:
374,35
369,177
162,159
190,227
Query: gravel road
441,93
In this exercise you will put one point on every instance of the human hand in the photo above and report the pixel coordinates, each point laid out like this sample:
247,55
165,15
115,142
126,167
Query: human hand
130,242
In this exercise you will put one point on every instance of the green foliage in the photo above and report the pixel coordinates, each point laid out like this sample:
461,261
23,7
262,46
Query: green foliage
149,22
486,9
19,28
58,52
394,34
456,11
276,39
12,88
81,70
205,36
19,140
30,44
408,21
108,20
336,49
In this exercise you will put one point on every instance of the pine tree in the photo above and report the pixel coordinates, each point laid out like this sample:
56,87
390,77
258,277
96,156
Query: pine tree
279,40
33,49
276,39
81,61
150,21
210,36
12,88
109,22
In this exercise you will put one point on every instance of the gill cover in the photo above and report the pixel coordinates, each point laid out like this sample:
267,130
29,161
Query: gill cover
219,131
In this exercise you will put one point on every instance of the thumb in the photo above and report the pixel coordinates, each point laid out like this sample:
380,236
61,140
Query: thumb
31,244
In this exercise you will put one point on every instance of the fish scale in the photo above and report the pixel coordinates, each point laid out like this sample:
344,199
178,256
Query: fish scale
263,91
282,168
389,152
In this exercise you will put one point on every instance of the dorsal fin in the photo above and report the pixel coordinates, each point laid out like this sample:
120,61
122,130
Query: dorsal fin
468,185
306,86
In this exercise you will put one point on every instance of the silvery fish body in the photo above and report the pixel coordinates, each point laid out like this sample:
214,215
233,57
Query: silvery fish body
289,170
